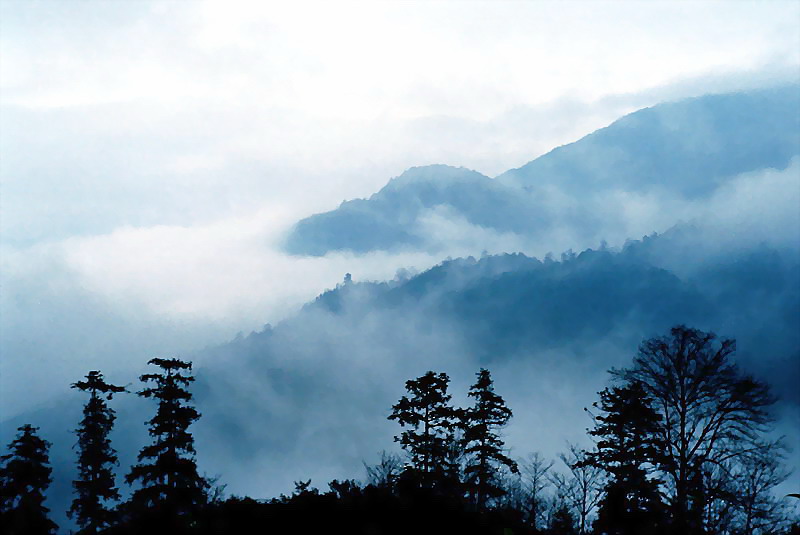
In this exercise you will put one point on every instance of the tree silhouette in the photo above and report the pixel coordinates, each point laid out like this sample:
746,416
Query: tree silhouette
535,470
95,484
24,479
430,422
628,448
710,412
758,475
581,486
169,480
483,446
385,473
742,491
562,522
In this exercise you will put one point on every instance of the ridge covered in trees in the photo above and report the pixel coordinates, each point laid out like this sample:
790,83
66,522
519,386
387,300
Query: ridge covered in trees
682,444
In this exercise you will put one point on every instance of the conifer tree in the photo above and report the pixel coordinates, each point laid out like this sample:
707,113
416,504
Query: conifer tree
24,479
628,449
95,485
167,471
482,443
430,420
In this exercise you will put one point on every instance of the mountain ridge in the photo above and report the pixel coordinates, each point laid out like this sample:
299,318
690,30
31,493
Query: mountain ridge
684,150
284,394
724,117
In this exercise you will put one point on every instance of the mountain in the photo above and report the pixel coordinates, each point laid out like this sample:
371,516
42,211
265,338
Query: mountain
685,151
309,397
387,219
313,392
690,147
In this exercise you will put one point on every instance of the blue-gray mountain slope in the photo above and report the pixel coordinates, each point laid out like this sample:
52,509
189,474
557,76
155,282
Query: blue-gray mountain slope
689,147
308,398
684,149
388,218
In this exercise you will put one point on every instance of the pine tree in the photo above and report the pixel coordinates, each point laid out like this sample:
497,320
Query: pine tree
482,443
430,420
628,448
168,474
95,485
24,479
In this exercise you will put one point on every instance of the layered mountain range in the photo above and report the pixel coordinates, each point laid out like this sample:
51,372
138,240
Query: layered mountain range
309,397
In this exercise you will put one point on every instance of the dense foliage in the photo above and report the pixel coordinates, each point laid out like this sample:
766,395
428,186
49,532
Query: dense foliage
96,485
482,443
24,478
167,471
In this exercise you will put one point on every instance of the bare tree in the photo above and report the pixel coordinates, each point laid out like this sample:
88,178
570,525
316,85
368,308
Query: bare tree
535,469
756,476
711,412
386,471
721,495
561,505
515,492
582,485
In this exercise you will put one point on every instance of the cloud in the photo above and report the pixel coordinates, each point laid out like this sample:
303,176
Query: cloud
184,287
233,270
358,60
113,301
168,113
230,271
153,154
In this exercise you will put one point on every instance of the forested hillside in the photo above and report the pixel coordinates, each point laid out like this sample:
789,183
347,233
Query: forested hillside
310,396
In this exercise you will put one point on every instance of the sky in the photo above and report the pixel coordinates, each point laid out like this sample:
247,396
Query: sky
153,154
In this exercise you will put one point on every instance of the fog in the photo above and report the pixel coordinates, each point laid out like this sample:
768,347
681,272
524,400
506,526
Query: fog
309,397
191,286
157,155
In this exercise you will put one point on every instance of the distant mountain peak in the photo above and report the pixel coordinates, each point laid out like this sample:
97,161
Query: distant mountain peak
683,150
687,146
433,175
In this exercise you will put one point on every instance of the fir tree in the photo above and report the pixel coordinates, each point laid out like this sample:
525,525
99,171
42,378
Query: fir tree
168,474
628,448
430,420
482,443
95,485
24,479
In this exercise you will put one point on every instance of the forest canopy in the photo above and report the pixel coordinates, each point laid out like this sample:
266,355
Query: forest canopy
682,440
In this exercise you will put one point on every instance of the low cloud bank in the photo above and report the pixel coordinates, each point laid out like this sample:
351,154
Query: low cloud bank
165,289
309,397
